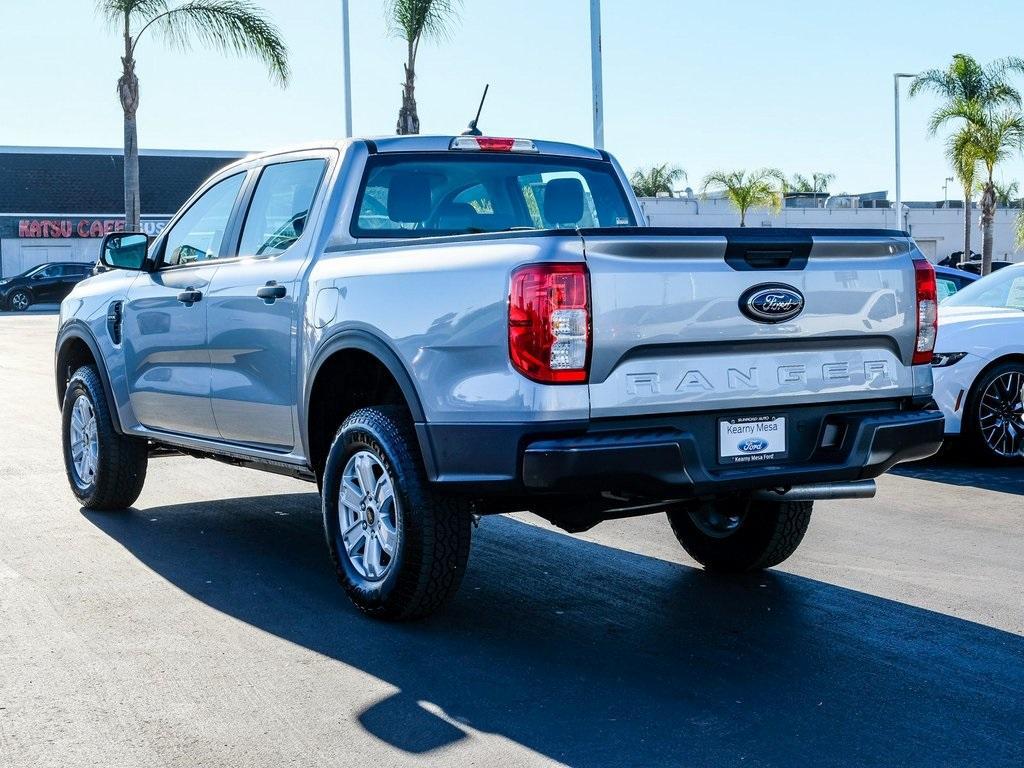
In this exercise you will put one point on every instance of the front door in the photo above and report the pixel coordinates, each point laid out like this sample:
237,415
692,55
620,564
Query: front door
254,316
167,361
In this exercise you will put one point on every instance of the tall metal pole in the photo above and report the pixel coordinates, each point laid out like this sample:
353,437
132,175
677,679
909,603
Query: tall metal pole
348,69
896,101
595,72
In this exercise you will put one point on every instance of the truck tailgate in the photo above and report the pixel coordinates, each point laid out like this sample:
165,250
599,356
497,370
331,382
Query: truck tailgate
670,332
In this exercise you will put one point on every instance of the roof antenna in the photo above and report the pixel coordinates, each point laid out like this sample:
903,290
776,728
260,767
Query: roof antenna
471,129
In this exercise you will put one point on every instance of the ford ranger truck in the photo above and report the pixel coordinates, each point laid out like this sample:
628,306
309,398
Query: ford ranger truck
432,329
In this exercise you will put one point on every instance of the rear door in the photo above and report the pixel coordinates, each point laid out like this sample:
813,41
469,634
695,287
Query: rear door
673,332
254,317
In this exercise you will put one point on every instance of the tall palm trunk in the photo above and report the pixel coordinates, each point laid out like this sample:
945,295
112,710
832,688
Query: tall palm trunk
967,223
408,119
128,91
743,217
988,215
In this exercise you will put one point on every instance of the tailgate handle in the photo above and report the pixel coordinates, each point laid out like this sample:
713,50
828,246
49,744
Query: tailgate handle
768,259
746,251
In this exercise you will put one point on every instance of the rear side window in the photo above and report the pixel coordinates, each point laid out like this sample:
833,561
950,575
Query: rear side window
450,193
280,206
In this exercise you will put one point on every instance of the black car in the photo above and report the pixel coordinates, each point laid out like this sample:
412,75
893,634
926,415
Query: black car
974,266
43,284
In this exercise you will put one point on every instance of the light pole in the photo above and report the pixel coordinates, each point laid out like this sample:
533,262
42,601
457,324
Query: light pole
896,100
595,72
348,69
945,192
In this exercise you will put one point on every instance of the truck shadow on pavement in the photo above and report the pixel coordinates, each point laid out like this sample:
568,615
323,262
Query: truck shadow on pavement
594,656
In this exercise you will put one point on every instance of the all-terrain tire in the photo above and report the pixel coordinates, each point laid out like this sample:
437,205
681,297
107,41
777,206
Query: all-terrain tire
768,533
434,529
120,470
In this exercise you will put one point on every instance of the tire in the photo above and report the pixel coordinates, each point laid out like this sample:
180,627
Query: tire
19,301
983,436
118,470
428,532
752,536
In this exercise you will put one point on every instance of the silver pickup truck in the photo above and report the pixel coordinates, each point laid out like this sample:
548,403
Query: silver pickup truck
437,328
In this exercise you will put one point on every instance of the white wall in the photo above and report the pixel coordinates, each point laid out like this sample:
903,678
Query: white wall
939,232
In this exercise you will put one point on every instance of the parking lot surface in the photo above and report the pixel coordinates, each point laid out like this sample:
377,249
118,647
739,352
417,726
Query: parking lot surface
205,628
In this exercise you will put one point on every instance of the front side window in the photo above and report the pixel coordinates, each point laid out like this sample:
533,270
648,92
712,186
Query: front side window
1004,289
450,193
280,206
199,234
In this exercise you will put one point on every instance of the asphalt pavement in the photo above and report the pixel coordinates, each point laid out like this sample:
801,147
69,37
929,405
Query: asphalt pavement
204,628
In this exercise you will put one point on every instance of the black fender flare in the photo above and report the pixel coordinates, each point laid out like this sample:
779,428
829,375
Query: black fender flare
77,330
366,341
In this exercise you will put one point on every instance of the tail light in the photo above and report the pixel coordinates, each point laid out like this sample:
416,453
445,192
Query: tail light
927,312
549,322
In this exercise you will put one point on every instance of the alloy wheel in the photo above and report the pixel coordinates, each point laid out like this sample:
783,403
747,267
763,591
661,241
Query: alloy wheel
19,302
1001,414
85,449
368,516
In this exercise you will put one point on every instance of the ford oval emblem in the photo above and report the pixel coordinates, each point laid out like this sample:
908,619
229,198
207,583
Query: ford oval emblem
771,303
753,445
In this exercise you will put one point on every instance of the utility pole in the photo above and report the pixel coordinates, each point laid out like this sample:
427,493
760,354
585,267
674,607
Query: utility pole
348,69
595,72
896,99
945,192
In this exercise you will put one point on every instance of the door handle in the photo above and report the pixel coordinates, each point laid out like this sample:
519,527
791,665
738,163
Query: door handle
271,292
190,296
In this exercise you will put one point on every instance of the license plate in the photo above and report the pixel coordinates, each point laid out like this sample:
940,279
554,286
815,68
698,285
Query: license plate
751,439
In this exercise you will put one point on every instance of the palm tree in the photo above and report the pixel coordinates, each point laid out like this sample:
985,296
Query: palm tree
964,82
818,183
961,156
235,26
763,187
989,136
412,20
656,180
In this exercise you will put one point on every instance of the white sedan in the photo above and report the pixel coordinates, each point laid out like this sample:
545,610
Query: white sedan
979,365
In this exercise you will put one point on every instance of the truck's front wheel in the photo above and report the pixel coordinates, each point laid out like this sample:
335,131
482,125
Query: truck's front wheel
733,536
399,547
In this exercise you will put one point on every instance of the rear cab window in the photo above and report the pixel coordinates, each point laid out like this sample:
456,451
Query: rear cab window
434,194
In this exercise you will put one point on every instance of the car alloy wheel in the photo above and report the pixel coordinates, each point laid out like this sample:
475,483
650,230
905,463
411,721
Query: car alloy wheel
1001,415
19,301
85,449
369,516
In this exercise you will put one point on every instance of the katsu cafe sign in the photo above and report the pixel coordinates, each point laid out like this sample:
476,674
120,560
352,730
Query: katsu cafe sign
67,228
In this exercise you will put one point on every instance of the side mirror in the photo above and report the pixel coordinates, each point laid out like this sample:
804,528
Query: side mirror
125,250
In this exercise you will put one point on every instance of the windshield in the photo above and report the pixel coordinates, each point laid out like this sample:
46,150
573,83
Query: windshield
431,194
1004,288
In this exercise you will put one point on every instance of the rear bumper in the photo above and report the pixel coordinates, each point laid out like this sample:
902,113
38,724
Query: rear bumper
676,456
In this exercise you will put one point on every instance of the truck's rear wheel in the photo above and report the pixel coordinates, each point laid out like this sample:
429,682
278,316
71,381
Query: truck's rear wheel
106,469
400,549
737,535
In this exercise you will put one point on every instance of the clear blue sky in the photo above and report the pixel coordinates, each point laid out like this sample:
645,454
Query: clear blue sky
706,84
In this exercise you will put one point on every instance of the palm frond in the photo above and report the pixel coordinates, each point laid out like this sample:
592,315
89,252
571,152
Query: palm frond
232,26
413,19
658,179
